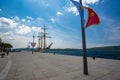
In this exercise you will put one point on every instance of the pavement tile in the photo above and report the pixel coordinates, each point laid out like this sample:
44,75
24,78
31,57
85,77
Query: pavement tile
45,66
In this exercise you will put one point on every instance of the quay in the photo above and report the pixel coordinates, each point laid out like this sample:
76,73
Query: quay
46,66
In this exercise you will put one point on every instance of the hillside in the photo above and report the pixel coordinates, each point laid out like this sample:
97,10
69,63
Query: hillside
106,48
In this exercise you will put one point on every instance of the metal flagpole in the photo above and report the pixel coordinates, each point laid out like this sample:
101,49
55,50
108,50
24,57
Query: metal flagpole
85,70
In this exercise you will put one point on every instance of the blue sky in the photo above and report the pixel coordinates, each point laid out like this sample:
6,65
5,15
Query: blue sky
19,19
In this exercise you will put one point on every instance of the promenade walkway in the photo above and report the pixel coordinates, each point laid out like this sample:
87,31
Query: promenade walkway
45,66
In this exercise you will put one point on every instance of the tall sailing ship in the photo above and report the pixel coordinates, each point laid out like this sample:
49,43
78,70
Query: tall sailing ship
42,43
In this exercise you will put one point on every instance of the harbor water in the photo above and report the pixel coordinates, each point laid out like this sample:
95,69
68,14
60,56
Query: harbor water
107,54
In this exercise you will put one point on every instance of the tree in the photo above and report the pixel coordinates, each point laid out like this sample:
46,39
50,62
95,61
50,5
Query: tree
0,40
5,47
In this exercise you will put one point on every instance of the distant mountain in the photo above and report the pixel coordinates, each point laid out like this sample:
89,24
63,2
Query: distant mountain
106,48
21,49
69,49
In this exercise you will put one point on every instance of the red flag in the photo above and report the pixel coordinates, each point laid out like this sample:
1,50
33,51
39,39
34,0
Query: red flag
92,18
33,44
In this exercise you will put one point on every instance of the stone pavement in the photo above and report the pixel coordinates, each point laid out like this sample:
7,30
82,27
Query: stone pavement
3,62
44,66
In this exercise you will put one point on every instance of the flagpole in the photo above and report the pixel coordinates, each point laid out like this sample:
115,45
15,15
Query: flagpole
85,66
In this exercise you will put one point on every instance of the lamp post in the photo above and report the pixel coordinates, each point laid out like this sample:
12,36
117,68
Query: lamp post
85,66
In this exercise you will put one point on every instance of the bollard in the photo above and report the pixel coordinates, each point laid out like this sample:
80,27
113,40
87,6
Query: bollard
93,58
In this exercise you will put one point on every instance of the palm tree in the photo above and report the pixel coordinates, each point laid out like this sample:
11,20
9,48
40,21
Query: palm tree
0,44
2,49
5,47
0,40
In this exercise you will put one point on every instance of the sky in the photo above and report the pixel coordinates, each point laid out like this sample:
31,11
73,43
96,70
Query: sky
19,19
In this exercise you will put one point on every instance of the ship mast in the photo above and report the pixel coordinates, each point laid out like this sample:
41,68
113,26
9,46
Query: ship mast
39,38
43,37
33,42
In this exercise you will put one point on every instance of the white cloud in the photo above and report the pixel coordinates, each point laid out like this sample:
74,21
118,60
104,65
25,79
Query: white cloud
85,2
9,33
0,9
29,17
23,20
7,36
7,23
11,17
15,35
111,30
20,41
52,20
59,13
73,9
16,18
23,29
36,29
112,33
62,43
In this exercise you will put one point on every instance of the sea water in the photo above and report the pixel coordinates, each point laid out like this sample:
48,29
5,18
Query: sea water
108,54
